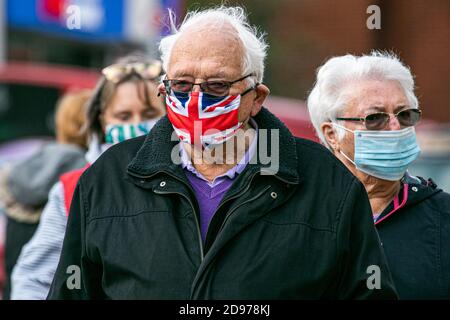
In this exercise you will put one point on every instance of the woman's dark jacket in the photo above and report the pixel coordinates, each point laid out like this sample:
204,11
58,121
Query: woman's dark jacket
415,232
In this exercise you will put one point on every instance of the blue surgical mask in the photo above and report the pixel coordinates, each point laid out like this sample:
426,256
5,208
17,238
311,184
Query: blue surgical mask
116,133
384,154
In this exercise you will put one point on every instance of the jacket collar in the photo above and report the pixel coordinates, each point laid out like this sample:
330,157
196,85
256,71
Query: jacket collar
418,189
155,155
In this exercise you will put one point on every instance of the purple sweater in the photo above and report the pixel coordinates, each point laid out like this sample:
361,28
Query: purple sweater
209,194
208,198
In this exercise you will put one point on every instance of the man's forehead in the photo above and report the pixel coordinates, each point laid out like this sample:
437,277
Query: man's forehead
207,48
213,39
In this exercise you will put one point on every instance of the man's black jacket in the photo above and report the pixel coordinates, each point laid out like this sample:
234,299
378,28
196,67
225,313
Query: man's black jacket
305,232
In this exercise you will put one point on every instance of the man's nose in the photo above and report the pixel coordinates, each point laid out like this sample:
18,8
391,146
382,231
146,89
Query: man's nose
196,88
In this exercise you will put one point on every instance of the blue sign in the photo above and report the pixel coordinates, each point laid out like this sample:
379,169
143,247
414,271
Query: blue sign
95,20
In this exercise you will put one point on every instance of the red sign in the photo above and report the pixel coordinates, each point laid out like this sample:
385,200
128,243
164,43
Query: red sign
51,9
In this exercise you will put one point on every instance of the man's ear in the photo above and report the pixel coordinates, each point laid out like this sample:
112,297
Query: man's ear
261,93
330,135
161,89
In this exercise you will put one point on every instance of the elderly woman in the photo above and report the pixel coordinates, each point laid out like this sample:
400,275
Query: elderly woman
364,110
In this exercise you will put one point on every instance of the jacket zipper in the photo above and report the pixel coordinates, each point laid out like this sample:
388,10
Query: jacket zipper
199,235
244,191
235,196
229,214
247,201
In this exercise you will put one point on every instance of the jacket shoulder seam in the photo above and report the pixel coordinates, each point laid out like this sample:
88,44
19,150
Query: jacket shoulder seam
125,216
300,223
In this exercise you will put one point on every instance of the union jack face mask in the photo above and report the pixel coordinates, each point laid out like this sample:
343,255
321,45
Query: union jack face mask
203,119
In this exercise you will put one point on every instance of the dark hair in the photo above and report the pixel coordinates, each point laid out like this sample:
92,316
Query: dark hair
105,90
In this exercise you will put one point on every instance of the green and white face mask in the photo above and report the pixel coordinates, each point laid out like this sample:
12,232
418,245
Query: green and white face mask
116,133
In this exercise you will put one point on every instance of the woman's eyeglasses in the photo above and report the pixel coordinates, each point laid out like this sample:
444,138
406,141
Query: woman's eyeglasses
216,88
379,120
117,72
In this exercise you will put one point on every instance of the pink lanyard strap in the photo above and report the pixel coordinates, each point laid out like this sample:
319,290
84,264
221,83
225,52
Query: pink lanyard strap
397,206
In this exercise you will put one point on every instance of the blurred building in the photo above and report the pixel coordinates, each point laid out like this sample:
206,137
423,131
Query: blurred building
303,34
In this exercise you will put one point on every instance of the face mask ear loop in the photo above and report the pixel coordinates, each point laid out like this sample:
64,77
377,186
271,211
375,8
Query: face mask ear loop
347,157
342,127
340,151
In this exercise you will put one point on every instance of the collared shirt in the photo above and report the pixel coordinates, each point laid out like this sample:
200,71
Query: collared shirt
186,162
209,194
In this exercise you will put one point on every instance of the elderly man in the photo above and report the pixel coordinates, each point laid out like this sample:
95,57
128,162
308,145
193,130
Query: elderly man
199,217
364,110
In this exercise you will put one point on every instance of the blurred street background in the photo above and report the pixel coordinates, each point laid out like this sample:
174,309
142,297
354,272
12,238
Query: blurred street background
50,46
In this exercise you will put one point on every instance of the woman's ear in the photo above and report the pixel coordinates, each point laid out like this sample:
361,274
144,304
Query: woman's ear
261,91
330,135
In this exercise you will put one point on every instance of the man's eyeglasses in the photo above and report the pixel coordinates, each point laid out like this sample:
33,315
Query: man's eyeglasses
216,88
379,120
117,72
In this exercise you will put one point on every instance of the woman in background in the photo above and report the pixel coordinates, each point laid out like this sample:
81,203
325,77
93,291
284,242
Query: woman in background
24,187
124,105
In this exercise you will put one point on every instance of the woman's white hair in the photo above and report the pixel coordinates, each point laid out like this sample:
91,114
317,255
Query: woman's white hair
254,45
327,101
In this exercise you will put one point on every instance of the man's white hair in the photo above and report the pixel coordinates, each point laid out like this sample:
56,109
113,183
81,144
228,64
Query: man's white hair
254,45
326,100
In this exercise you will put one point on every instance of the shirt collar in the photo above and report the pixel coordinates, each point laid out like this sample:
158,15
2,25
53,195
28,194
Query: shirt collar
231,173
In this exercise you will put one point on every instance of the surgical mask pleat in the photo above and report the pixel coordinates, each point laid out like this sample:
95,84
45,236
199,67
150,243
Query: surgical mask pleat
384,154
